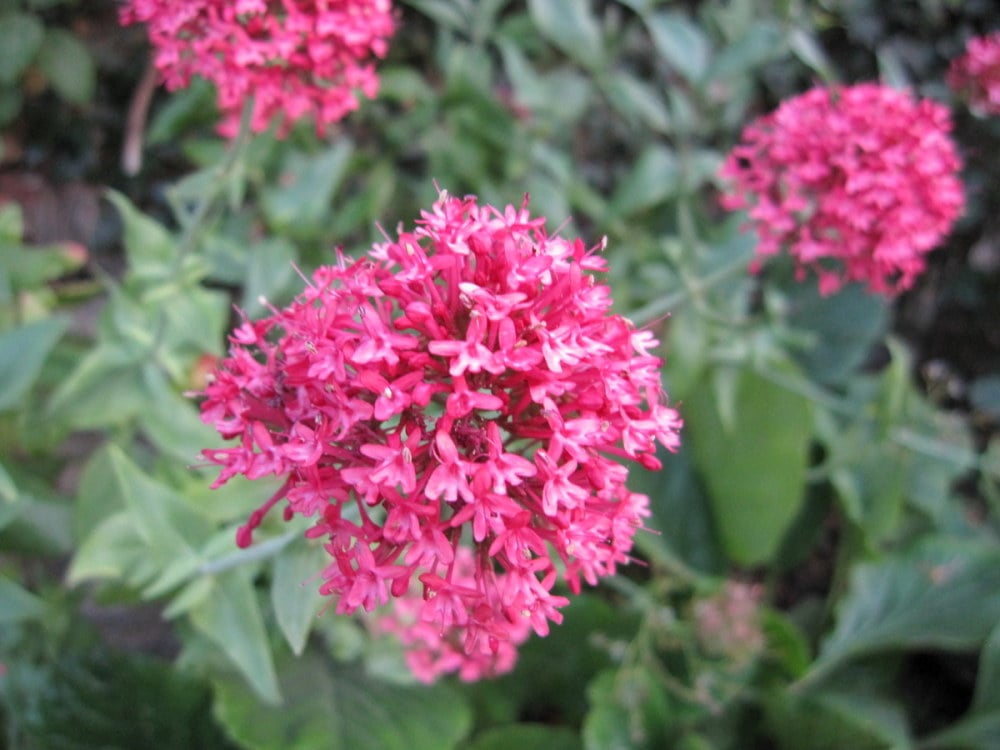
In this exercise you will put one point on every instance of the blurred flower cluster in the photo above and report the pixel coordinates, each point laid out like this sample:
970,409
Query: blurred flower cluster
976,74
856,183
294,58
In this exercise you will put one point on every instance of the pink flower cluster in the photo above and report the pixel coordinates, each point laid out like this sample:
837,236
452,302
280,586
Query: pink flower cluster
463,386
294,57
857,183
976,74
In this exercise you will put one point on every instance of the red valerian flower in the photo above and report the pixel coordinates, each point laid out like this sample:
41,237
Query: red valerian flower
976,74
856,183
451,411
296,58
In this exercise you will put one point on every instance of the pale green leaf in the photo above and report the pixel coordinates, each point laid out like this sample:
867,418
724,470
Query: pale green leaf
681,43
654,178
294,590
230,616
22,352
17,604
572,27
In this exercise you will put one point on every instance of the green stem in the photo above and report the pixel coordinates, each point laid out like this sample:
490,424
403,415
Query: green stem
693,289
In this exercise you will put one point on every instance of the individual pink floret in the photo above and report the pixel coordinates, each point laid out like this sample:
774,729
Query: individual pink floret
976,74
451,410
856,183
296,58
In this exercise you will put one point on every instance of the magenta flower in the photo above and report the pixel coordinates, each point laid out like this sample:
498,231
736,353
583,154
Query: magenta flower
976,74
856,183
450,411
296,58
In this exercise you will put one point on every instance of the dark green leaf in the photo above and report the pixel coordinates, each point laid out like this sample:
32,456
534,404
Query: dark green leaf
121,702
844,327
943,596
629,709
68,66
859,719
336,706
526,737
20,37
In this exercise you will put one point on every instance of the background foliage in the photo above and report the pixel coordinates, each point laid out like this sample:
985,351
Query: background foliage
826,567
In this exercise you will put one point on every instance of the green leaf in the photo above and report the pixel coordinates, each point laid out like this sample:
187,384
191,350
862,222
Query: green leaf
942,595
230,616
104,389
763,42
68,66
987,695
681,43
104,699
755,467
112,550
22,353
339,706
978,731
149,246
572,27
171,421
171,529
654,178
270,273
294,590
17,604
845,326
20,37
569,655
526,737
445,13
638,101
629,709
682,515
300,202
851,716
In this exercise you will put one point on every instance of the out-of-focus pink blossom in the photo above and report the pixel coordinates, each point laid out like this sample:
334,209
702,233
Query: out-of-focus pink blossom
856,183
296,58
976,74
451,411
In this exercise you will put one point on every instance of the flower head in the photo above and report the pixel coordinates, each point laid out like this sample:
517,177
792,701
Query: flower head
294,57
856,183
976,74
450,410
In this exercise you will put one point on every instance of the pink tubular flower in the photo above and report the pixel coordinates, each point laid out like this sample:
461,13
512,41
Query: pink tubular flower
857,183
976,74
451,410
294,57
